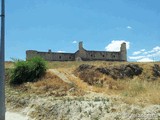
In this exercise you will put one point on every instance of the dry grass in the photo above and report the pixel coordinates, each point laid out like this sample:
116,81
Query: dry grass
142,89
142,92
51,81
75,64
9,64
50,84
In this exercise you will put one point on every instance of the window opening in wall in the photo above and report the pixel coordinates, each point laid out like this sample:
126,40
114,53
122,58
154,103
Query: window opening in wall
91,55
69,57
59,57
103,55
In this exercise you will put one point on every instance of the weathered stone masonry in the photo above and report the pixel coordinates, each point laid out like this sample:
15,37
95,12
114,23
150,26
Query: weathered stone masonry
81,54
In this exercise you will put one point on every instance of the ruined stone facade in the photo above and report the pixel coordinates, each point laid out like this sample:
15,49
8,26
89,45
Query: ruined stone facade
81,54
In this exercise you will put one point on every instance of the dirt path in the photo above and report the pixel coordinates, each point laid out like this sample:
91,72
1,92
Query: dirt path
68,77
74,79
60,75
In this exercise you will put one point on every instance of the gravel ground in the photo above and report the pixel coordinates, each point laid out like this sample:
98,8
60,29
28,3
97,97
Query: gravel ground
15,116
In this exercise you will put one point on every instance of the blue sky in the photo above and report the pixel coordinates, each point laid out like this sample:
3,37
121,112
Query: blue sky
101,25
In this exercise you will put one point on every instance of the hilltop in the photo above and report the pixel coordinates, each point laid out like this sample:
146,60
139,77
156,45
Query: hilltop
89,91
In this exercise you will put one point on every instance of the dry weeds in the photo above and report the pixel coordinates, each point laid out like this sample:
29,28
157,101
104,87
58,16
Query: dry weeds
142,89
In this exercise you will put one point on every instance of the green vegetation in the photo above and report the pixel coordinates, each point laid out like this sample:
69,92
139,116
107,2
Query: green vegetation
28,71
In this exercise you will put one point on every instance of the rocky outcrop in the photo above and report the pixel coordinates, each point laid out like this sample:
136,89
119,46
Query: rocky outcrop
124,71
156,70
116,72
84,67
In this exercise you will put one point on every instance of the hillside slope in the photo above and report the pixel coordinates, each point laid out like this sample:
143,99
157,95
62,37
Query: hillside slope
89,91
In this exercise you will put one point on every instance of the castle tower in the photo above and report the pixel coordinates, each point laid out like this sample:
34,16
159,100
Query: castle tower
80,45
81,52
123,52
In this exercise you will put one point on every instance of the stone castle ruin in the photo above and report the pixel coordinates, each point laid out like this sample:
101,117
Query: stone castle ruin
81,55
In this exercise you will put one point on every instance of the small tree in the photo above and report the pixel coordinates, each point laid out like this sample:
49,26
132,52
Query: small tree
28,71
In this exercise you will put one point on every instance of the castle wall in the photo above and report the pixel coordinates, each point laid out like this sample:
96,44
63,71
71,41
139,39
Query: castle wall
30,54
63,57
52,56
102,55
81,54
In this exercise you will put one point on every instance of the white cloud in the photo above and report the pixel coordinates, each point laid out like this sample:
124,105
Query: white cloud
155,49
116,44
74,42
138,52
129,27
136,57
145,60
146,56
145,53
60,51
155,54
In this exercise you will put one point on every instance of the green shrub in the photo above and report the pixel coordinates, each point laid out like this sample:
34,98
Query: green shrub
28,71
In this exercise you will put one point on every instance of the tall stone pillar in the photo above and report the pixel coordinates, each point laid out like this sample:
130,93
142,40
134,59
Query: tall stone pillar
123,52
80,45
